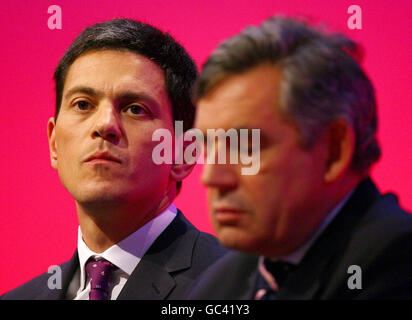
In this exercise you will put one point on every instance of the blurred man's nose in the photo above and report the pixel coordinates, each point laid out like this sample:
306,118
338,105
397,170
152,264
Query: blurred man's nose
220,176
107,123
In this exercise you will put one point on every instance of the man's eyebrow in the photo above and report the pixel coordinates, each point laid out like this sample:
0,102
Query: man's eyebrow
81,89
124,95
134,96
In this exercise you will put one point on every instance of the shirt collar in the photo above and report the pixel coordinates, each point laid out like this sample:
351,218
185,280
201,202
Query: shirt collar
297,256
127,253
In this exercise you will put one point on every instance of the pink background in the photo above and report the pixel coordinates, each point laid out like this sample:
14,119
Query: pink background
38,222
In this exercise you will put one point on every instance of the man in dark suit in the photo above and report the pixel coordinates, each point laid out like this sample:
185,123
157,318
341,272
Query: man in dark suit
117,84
310,224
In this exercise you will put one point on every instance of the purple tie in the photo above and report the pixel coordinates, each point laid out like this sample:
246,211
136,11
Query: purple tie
99,272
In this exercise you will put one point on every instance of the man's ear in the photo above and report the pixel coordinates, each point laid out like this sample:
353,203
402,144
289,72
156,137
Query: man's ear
181,171
341,146
51,135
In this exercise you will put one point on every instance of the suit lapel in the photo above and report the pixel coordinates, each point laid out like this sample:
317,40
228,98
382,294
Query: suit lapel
171,252
313,272
148,281
67,271
246,288
233,277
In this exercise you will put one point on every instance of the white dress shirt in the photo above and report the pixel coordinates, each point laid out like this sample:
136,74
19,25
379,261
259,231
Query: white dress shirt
125,255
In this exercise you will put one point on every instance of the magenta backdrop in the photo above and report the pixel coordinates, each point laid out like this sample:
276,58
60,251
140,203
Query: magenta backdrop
38,221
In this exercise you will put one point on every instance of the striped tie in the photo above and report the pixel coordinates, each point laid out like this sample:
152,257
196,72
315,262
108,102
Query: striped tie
272,276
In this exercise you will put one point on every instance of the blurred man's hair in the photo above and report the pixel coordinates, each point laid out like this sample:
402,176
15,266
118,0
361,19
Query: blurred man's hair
124,34
321,79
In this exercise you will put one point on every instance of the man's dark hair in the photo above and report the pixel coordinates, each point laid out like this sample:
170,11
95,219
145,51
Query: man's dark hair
321,79
124,34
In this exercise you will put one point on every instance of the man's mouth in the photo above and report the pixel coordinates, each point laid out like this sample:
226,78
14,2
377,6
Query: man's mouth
102,157
227,214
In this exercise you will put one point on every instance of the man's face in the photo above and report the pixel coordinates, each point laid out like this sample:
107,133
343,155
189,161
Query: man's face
276,210
112,102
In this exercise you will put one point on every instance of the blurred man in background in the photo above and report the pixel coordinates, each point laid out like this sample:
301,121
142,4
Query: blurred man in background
311,224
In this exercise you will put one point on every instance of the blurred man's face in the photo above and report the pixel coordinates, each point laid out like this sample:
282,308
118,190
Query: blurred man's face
276,210
102,140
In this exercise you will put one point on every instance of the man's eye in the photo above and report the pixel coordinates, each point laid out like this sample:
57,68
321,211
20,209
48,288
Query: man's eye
135,109
82,105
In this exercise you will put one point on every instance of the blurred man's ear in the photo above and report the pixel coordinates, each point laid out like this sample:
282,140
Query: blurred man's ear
341,146
51,132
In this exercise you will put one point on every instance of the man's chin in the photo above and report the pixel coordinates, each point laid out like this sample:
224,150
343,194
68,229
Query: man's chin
235,238
99,198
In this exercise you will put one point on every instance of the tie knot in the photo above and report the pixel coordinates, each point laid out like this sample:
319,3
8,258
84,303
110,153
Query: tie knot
279,269
99,271
272,275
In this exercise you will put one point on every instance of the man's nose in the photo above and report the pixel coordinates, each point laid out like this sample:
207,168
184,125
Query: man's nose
220,176
107,123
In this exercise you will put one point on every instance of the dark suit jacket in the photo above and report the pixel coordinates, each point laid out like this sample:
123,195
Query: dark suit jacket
167,270
371,231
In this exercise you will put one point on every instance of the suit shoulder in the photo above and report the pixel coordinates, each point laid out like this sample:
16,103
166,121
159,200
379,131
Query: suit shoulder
30,290
207,241
208,248
381,245
383,226
240,263
43,287
233,285
386,217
